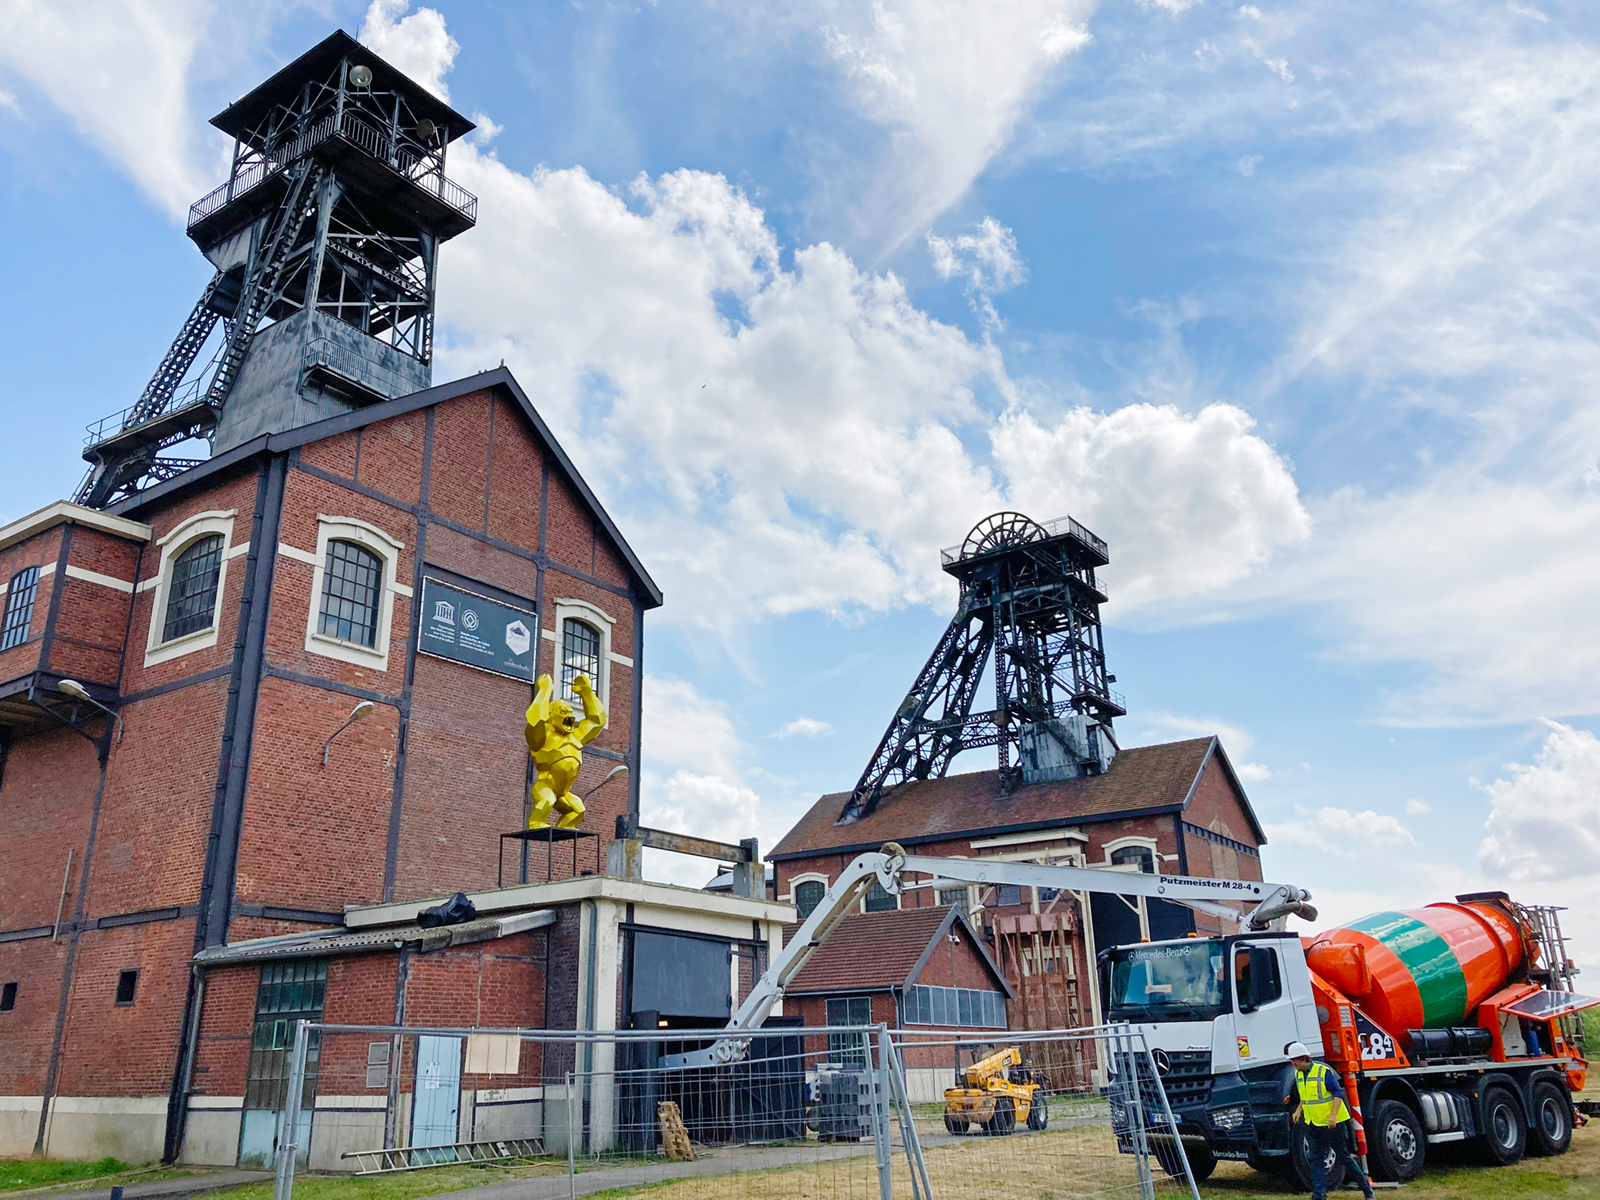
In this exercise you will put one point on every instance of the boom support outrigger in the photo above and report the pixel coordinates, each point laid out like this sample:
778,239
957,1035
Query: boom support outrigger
891,866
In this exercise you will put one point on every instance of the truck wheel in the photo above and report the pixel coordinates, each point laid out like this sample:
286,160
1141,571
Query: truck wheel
954,1124
1299,1172
1552,1119
1201,1161
1038,1112
1505,1133
1004,1119
1396,1147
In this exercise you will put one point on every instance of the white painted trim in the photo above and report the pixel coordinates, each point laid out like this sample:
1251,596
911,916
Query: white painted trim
549,634
1148,843
106,581
241,548
347,1102
20,1103
569,609
215,1103
63,511
387,549
179,539
297,554
1021,839
110,1106
144,585
622,660
48,568
808,877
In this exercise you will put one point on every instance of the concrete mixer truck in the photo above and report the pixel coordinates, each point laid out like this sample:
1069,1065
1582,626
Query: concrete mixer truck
1450,1023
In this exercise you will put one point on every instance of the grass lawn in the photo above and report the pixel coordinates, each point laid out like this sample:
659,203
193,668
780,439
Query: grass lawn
24,1174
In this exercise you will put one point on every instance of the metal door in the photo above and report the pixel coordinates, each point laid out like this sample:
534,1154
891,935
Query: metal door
436,1104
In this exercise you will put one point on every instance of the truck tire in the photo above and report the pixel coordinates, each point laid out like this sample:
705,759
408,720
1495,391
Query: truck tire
1201,1161
1396,1147
1038,1112
1004,1119
954,1124
1299,1172
1552,1119
1505,1132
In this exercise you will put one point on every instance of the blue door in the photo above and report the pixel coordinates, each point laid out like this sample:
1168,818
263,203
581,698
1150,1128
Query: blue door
436,1103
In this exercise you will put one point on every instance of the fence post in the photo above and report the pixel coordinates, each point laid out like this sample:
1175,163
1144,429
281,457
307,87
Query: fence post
1129,1063
289,1118
911,1143
1172,1124
880,1118
572,1137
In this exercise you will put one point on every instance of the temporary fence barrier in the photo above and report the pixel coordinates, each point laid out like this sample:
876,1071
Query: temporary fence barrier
818,1112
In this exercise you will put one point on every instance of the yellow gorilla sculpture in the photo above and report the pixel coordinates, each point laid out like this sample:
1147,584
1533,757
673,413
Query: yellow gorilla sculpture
556,739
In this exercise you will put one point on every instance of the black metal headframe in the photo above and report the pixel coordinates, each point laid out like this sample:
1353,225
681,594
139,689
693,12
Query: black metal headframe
1030,600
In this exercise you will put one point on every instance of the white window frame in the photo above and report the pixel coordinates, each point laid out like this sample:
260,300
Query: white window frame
1122,843
601,622
808,877
387,549
179,539
899,900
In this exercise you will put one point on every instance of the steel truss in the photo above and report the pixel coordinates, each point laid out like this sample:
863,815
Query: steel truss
1031,603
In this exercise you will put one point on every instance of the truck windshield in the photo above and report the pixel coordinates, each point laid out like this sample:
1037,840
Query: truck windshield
1168,983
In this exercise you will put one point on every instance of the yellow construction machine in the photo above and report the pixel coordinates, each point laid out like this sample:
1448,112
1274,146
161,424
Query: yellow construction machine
995,1093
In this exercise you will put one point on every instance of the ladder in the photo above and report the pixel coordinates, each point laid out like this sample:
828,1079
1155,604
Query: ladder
262,285
415,1158
1552,945
179,358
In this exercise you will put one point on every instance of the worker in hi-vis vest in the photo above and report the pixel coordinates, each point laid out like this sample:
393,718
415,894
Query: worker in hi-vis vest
1319,1098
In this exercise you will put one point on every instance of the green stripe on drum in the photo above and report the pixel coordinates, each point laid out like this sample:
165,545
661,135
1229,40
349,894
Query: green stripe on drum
1441,982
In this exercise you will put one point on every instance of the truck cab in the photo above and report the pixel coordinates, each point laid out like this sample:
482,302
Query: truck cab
1217,1014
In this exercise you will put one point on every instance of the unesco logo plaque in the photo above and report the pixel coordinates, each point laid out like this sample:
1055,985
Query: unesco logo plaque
472,629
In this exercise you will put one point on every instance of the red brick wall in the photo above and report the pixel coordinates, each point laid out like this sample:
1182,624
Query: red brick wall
36,551
27,1031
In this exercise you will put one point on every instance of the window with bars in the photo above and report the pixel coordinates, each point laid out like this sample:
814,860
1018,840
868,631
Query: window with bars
580,655
808,895
288,992
848,1010
352,586
192,588
879,899
19,607
967,1008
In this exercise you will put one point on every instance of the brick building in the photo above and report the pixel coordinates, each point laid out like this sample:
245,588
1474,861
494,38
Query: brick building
1176,808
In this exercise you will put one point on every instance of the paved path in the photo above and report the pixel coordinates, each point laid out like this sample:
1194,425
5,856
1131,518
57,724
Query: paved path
197,1184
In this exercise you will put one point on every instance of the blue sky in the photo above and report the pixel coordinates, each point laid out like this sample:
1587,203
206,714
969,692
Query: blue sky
1295,305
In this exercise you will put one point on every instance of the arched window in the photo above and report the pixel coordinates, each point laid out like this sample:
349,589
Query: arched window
580,654
808,895
352,586
1143,856
19,607
880,899
192,591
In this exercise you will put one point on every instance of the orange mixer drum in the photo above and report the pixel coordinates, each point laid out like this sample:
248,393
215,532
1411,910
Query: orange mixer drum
1425,968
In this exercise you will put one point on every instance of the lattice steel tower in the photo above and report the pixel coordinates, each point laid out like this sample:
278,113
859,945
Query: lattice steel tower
325,240
1029,601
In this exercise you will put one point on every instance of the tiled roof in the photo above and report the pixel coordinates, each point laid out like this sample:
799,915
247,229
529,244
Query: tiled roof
875,950
1141,780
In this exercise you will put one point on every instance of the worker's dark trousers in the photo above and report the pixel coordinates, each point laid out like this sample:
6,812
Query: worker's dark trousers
1336,1136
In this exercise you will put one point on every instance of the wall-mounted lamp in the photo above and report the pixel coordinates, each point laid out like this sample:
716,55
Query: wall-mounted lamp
78,692
619,769
361,710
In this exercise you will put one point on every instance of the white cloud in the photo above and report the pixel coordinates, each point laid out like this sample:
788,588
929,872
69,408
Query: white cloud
9,101
803,727
1247,164
1172,6
948,80
987,261
418,45
1250,772
120,74
1342,831
1148,727
1544,823
1417,808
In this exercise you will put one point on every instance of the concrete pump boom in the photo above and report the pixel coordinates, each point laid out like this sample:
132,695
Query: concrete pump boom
890,867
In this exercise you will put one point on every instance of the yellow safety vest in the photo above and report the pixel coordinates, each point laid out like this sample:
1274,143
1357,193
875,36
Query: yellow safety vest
1318,1104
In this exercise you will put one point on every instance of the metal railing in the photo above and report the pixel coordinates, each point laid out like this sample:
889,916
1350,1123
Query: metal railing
421,170
1055,528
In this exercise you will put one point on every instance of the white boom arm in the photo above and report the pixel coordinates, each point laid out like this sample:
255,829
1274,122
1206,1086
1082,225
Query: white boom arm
889,866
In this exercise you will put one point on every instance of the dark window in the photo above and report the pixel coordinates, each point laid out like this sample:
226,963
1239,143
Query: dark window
1007,893
1048,894
127,986
1269,986
8,997
351,587
1142,855
966,1007
19,607
953,896
289,992
848,1010
580,655
808,895
192,591
879,900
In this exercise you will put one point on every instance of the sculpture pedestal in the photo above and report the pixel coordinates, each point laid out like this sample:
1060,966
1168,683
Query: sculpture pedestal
549,835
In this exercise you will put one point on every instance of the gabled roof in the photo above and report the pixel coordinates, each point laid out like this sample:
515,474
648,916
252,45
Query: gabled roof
500,377
876,951
1141,781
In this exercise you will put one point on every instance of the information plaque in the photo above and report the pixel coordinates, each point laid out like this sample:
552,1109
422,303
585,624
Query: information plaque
468,628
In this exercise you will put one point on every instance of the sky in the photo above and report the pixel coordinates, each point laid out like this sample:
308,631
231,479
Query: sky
1295,305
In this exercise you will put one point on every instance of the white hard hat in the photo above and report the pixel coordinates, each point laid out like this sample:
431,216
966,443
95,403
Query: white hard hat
1296,1050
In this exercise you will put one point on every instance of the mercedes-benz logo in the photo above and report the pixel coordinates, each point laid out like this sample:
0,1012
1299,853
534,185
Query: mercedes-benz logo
1163,1062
